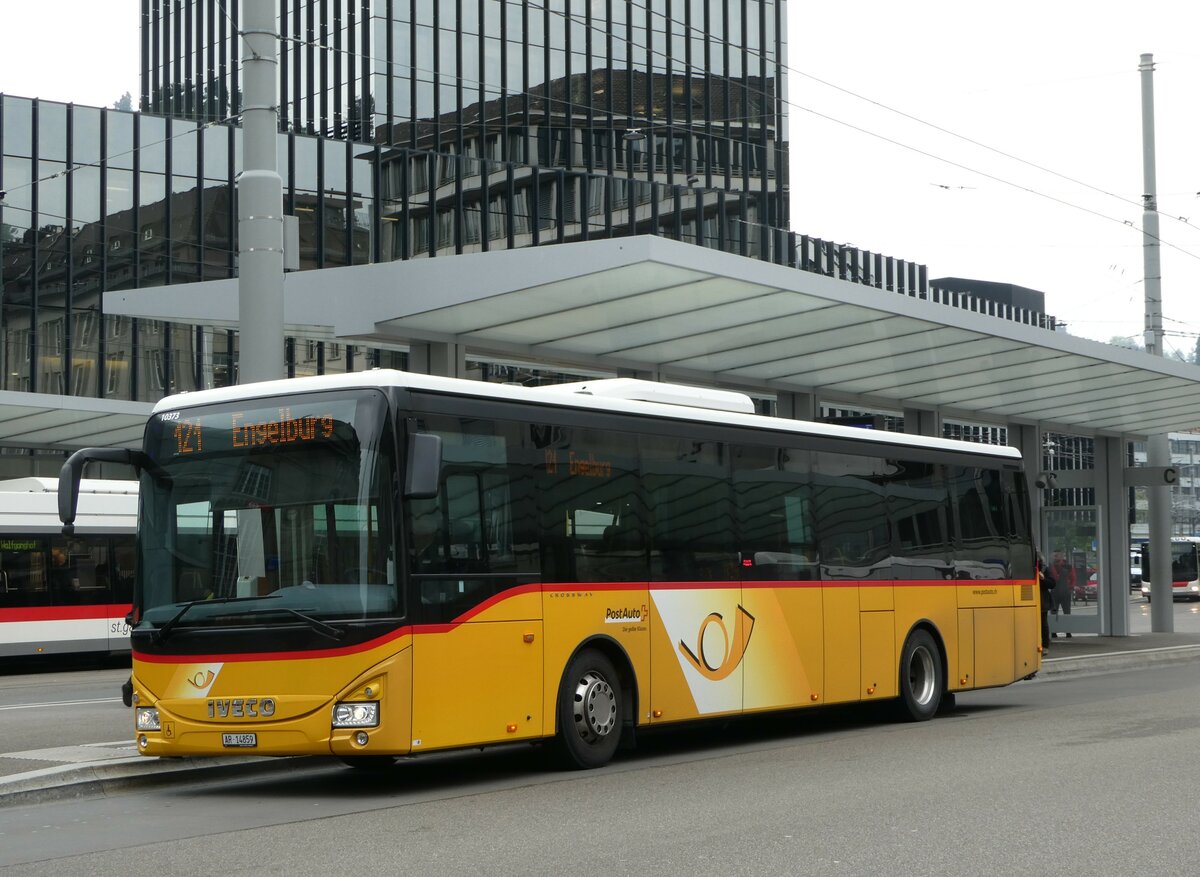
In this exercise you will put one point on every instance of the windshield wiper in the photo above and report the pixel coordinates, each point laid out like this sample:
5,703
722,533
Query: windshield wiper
163,632
315,623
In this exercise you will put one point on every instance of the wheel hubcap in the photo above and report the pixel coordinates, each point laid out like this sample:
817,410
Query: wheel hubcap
595,707
921,676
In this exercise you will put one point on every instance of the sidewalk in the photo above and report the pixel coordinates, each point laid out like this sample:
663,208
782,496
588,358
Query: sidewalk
1085,653
98,768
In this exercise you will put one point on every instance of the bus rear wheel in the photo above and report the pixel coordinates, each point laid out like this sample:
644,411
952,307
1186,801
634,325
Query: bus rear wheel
589,712
921,680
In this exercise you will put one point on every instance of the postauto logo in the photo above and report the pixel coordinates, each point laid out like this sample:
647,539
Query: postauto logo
626,614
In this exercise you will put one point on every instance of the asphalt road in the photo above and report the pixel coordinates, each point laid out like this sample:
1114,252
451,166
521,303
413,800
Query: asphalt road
62,707
1187,616
1060,776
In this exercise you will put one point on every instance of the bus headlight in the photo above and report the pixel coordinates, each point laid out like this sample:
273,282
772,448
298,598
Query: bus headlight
356,715
147,718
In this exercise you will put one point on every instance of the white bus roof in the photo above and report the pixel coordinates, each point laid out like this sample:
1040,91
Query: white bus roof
586,395
39,484
29,506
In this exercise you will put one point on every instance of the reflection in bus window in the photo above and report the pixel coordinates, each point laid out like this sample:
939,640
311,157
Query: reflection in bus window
918,505
691,505
852,532
982,543
774,510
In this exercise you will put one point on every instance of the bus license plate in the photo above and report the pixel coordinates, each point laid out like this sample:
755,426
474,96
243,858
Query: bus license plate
239,739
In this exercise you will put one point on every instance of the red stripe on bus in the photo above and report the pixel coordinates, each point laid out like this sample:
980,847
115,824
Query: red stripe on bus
515,591
63,613
520,590
797,583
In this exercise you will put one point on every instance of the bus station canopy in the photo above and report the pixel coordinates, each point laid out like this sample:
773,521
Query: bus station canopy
42,420
694,315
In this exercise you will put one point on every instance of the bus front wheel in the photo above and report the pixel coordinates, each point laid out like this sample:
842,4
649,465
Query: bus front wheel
589,711
921,682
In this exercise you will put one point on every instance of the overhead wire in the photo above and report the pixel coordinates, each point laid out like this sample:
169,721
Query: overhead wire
791,103
964,138
708,123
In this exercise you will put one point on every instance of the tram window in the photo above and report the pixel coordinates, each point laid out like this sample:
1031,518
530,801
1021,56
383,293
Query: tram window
59,572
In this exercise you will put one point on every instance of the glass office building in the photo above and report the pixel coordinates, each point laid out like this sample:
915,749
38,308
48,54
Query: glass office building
556,84
512,123
407,130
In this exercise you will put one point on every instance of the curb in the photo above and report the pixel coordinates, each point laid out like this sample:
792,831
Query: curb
98,779
1109,662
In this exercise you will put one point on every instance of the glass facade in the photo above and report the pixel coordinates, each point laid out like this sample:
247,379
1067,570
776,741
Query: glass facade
98,200
101,200
552,84
505,123
407,130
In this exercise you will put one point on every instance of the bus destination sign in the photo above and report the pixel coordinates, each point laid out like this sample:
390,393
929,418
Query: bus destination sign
197,433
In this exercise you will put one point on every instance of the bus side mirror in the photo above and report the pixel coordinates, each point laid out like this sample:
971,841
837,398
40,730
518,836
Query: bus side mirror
72,471
423,469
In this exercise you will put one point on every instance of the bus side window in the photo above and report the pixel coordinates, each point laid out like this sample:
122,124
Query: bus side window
982,549
918,507
588,492
853,533
774,514
688,485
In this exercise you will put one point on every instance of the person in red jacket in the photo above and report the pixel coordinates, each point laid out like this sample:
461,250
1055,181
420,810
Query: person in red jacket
1062,577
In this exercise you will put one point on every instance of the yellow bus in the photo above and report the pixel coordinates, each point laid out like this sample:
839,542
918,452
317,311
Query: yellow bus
384,564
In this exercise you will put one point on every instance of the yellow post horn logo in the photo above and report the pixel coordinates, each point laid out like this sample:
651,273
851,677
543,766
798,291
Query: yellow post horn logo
733,652
202,679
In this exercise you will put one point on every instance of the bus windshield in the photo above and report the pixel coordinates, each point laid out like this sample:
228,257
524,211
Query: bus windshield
268,513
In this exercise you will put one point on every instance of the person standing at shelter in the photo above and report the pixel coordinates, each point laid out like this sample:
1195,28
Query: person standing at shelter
1045,587
1062,579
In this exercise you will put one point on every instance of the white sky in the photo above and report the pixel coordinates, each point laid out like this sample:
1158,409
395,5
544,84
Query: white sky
1052,82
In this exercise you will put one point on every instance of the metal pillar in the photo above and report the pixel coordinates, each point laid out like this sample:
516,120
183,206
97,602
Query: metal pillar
1111,496
1162,610
260,203
920,421
796,406
443,358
